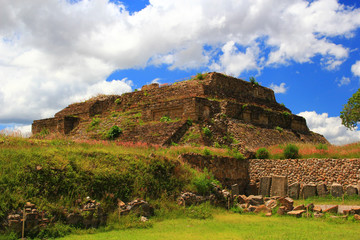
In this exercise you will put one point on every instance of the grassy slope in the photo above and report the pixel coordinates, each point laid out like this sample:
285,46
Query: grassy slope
236,226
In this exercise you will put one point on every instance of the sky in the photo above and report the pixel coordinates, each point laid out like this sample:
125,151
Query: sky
56,52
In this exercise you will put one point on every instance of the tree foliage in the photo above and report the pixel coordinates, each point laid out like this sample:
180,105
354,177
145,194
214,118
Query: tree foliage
350,115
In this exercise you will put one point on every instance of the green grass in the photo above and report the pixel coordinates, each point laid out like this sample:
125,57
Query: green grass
330,200
307,150
236,226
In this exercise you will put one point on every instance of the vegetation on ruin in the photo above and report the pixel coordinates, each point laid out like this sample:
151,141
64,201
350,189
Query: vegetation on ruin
308,150
262,153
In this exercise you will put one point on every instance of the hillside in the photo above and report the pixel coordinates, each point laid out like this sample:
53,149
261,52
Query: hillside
210,109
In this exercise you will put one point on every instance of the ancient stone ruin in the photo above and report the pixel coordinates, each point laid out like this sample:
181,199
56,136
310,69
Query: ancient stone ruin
232,111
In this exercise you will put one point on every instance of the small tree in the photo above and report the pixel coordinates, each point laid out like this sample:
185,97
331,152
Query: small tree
262,153
291,151
350,115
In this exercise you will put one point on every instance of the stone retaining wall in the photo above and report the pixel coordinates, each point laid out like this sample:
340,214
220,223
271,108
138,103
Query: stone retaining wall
328,171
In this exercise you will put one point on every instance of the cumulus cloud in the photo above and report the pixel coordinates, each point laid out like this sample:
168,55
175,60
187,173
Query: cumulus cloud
330,127
56,51
279,88
355,69
17,130
344,81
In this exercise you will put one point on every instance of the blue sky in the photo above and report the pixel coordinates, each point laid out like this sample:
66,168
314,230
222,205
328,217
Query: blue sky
65,51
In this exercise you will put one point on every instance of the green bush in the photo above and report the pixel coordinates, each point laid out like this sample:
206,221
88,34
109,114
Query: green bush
55,231
114,132
117,101
286,114
200,76
204,182
280,129
291,151
207,152
236,154
262,153
253,81
165,119
207,131
321,147
95,122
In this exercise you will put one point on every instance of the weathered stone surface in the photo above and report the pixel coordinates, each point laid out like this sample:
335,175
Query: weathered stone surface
189,198
351,190
241,199
294,190
227,170
271,203
321,190
281,210
326,171
269,214
296,213
333,209
265,185
255,200
251,208
356,210
308,190
235,190
278,186
317,209
300,207
288,203
251,189
337,190
263,209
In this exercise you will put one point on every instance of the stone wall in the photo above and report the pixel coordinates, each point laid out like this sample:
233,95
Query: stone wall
49,124
328,171
227,170
265,117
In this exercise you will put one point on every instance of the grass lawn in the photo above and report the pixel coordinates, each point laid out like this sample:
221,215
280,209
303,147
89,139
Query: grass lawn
236,226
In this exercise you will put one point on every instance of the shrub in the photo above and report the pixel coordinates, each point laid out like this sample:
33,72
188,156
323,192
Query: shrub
280,129
207,152
165,119
286,114
189,122
95,122
321,147
262,153
117,101
253,81
113,133
204,182
207,131
236,154
200,76
291,151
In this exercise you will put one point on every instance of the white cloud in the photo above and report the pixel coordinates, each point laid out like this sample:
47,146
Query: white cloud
330,127
156,80
279,88
54,51
344,81
17,130
355,69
